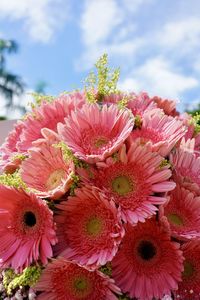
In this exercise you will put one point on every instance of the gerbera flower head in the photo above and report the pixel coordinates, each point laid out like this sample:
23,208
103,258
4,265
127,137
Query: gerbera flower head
189,287
46,171
26,229
94,133
186,169
89,229
48,115
141,104
183,214
132,181
168,106
64,280
161,130
147,264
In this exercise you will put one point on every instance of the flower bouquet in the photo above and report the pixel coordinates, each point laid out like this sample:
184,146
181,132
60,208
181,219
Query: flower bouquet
100,198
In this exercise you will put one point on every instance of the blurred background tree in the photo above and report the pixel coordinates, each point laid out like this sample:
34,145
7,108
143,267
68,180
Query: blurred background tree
10,84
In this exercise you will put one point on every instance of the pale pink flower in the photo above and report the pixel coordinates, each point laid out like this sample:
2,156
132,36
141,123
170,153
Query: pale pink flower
94,133
48,115
186,169
162,131
46,171
147,264
8,150
189,287
141,104
65,280
132,181
26,229
89,229
183,214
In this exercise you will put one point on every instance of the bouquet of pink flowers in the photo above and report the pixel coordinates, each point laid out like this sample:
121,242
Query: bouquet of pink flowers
100,198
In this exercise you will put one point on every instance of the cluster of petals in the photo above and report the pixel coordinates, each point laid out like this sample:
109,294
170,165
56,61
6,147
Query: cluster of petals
46,171
27,229
168,106
65,280
186,169
161,130
94,132
150,262
183,214
132,180
89,229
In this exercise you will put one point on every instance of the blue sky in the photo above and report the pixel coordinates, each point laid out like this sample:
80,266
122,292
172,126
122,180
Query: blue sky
156,43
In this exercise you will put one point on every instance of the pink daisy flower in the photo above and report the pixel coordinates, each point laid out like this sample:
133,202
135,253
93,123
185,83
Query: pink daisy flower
168,106
162,131
132,181
64,280
46,171
89,229
183,214
48,115
147,264
141,104
26,229
93,133
186,169
189,288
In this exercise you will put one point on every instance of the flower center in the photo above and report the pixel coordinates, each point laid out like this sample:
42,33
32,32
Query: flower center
188,269
146,250
29,219
82,287
122,185
175,219
55,179
100,142
94,226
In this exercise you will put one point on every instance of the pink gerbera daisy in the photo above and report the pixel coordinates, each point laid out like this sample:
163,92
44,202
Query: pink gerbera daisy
48,115
46,171
168,106
141,104
89,228
26,229
64,280
183,213
147,264
161,130
186,169
189,288
93,133
132,181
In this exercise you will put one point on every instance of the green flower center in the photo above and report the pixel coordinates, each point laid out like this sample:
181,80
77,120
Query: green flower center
188,269
82,287
122,185
175,219
94,226
100,142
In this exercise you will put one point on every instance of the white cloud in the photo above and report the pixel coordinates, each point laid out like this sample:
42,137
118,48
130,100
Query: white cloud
99,18
182,34
159,77
41,18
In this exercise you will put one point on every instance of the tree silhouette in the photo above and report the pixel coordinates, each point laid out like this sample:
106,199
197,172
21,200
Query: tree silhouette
10,84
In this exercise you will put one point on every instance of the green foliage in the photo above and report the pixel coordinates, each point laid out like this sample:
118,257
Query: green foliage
123,297
75,184
196,122
39,99
138,121
13,180
101,83
28,277
107,269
